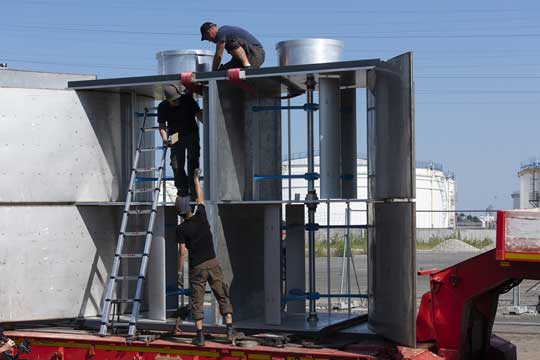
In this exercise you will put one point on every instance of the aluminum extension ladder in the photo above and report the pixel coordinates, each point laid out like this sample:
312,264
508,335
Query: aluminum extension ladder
119,255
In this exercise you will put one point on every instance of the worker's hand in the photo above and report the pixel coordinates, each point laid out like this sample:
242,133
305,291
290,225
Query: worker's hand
196,174
180,280
167,143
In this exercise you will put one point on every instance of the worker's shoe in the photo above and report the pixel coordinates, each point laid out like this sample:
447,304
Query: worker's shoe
198,340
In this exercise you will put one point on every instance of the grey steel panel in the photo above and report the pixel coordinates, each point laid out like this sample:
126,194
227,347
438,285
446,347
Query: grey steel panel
55,260
309,51
391,254
348,144
227,143
330,138
238,232
263,144
295,254
39,80
64,146
390,132
206,141
392,272
156,271
272,264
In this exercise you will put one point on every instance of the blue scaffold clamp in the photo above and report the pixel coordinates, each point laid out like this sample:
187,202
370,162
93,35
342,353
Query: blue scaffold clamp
312,227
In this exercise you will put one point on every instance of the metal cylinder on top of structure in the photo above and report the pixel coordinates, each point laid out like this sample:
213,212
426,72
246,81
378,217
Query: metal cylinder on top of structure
177,61
330,137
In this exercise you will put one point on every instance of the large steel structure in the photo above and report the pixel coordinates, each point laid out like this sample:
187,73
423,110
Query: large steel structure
243,136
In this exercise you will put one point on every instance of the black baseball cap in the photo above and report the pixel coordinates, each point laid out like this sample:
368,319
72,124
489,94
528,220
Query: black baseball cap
204,28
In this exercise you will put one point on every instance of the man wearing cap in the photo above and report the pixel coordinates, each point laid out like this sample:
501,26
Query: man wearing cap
178,129
246,51
195,235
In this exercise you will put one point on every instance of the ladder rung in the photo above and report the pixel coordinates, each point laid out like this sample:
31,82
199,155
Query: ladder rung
127,277
136,233
139,170
143,179
151,148
141,114
122,301
146,129
130,256
143,190
136,203
118,324
139,212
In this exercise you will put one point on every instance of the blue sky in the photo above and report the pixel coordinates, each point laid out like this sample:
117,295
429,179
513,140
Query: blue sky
477,72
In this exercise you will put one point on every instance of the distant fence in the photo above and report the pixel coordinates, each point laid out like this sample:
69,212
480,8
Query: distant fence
424,235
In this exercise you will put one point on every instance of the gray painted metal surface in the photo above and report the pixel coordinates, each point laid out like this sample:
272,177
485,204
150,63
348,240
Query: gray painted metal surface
272,264
39,80
244,143
308,51
330,138
238,233
70,146
155,282
295,255
55,260
177,61
391,252
348,144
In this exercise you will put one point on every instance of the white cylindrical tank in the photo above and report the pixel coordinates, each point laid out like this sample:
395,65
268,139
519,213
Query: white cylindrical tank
177,61
529,184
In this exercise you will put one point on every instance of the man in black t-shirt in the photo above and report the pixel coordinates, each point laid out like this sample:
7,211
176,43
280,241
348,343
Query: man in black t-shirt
246,51
178,129
195,235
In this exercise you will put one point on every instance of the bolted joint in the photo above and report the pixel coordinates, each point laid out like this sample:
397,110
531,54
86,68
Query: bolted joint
312,200
310,83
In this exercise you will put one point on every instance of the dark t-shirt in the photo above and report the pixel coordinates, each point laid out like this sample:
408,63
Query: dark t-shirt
195,233
227,32
179,118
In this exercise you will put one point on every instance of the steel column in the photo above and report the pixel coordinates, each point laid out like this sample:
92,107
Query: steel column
311,196
348,144
330,137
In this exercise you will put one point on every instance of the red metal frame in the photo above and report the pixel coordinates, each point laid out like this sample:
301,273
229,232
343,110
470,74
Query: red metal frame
465,296
502,252
74,346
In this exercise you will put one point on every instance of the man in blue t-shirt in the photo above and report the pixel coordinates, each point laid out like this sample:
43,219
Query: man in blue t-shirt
246,51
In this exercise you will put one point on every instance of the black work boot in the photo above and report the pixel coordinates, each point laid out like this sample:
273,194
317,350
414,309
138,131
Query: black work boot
198,340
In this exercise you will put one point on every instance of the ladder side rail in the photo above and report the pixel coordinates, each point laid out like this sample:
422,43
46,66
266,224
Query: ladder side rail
120,242
147,246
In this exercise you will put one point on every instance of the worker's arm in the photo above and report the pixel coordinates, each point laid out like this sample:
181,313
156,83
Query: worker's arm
181,255
218,55
198,188
163,132
199,115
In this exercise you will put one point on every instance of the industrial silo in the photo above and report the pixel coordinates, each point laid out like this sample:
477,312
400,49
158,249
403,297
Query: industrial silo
529,191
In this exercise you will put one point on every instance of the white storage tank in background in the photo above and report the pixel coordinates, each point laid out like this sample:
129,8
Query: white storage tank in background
435,194
529,184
